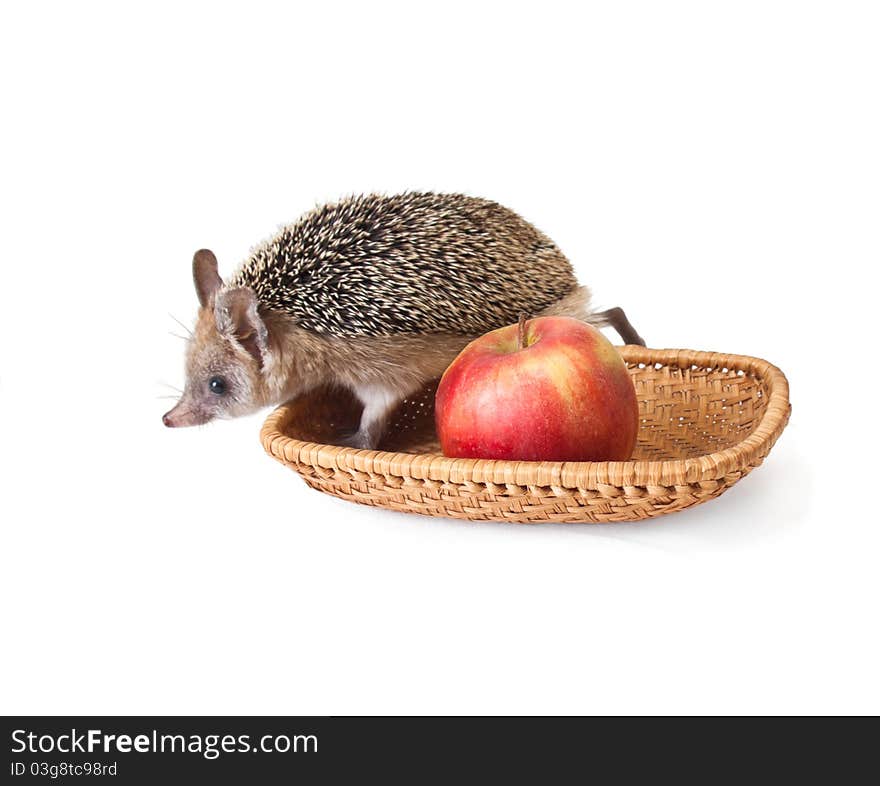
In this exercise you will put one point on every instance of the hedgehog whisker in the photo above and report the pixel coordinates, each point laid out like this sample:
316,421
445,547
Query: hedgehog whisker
173,387
189,332
177,335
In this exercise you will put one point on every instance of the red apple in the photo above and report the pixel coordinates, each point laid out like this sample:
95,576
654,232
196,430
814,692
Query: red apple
548,389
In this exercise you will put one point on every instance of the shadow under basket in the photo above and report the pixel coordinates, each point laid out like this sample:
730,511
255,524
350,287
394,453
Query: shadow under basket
706,420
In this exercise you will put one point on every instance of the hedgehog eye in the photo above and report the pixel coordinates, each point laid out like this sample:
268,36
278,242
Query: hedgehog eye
217,385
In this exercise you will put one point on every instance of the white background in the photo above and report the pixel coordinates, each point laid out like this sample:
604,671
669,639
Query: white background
713,168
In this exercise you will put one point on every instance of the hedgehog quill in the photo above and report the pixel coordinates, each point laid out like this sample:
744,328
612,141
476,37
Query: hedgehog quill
377,294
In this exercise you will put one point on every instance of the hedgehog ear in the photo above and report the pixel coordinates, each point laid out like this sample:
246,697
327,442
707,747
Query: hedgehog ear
237,317
205,276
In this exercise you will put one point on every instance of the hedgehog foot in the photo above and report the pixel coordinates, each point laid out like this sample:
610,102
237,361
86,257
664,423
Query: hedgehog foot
357,439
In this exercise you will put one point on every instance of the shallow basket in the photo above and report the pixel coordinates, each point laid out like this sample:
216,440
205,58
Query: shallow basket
707,420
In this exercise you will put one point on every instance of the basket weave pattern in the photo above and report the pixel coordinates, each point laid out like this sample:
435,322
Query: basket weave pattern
707,420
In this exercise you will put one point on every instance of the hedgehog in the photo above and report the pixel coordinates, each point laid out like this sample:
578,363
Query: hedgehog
374,293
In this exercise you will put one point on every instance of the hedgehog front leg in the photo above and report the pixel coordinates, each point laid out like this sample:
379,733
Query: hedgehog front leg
379,402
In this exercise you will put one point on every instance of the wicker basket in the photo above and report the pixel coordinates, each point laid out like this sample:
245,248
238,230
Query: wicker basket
706,421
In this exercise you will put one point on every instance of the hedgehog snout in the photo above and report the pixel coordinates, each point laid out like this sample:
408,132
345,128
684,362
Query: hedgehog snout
182,414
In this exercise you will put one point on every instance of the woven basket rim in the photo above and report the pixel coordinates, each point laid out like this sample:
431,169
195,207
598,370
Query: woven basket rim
568,474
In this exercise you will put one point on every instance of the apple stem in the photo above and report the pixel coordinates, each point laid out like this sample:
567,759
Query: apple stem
521,334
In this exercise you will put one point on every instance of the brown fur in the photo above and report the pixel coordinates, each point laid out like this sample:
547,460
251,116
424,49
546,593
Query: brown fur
375,294
381,370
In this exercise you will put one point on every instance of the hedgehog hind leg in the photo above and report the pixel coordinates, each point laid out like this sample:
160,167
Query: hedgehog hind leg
616,318
575,304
